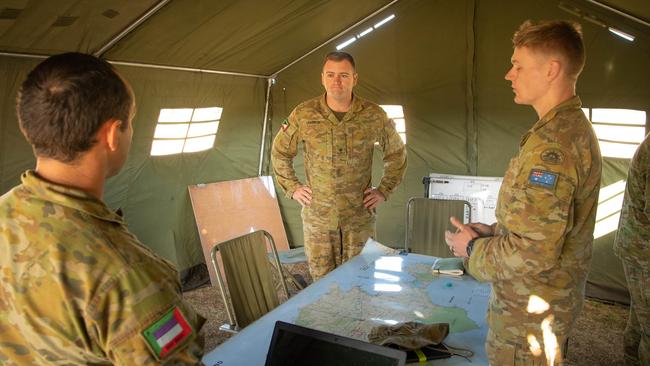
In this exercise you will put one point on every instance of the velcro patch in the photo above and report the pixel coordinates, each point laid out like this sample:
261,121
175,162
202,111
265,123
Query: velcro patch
167,333
542,178
285,125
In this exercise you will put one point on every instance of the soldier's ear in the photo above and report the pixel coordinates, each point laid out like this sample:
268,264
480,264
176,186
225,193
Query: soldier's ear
111,133
355,78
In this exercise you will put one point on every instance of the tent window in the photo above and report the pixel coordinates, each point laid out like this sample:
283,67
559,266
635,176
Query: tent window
185,130
619,131
396,113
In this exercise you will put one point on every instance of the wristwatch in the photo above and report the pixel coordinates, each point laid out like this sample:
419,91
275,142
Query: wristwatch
470,245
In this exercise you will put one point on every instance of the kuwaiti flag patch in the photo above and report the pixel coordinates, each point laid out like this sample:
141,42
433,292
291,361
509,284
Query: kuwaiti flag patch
167,333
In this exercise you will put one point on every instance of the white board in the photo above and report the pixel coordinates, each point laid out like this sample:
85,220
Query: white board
480,192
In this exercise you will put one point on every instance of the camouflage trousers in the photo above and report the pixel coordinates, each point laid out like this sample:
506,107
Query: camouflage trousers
502,352
637,332
326,249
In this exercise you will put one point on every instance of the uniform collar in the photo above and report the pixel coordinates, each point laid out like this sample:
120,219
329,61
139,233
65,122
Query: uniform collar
572,103
355,107
68,197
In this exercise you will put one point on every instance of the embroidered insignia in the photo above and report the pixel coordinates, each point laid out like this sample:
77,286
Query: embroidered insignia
542,178
285,125
313,122
166,333
552,156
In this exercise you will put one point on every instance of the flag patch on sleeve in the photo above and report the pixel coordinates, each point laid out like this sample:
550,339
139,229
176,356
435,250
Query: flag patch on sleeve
285,125
542,178
168,332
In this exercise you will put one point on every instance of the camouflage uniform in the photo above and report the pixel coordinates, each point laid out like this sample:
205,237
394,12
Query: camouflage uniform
338,165
76,287
632,246
542,246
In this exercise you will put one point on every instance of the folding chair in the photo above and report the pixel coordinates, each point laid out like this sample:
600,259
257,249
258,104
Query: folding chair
248,292
426,222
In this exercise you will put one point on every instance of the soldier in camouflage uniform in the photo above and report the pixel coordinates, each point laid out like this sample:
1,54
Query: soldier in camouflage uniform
539,250
76,287
632,246
338,131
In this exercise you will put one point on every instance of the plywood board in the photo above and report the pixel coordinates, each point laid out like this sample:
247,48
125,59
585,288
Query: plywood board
226,210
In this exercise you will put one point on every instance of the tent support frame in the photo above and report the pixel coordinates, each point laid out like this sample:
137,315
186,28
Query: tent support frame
621,13
269,82
130,28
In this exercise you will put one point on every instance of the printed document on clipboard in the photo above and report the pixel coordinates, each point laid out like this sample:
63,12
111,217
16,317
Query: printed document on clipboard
480,192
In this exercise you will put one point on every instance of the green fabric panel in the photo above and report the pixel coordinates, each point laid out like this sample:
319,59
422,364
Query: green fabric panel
152,191
428,219
15,153
411,72
250,283
606,277
250,36
67,25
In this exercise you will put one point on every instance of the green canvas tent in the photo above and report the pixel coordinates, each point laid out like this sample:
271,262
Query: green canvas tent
442,61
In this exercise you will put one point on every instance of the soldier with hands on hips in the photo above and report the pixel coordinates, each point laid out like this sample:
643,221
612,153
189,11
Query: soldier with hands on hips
338,131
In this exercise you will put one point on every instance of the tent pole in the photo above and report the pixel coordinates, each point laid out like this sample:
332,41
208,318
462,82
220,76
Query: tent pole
270,81
337,36
150,66
191,69
131,27
621,13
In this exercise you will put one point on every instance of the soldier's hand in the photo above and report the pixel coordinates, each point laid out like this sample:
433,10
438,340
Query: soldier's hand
372,198
482,229
303,195
458,241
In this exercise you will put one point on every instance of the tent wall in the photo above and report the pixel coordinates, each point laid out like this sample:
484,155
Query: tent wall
445,63
152,191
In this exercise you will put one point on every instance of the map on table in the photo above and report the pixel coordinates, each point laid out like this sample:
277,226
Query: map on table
378,287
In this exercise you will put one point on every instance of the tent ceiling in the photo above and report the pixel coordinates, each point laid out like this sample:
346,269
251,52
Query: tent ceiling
247,36
46,27
637,8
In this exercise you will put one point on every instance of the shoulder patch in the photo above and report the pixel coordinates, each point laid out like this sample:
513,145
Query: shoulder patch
167,333
542,178
552,156
285,125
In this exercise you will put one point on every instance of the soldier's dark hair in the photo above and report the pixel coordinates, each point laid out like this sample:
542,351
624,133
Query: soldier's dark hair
558,36
65,100
338,57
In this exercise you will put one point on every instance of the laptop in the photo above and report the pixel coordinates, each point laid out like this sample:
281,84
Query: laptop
296,345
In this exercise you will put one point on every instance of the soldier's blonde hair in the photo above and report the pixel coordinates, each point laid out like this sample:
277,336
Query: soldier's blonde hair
557,36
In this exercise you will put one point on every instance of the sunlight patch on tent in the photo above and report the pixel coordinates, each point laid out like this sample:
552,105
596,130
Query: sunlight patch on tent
619,131
396,113
185,130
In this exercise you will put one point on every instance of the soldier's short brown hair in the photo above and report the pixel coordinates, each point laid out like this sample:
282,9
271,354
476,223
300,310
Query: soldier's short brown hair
338,57
65,100
557,36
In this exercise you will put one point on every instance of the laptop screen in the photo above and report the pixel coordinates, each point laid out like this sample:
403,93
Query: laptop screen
296,345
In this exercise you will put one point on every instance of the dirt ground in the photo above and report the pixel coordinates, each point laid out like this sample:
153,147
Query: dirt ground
596,340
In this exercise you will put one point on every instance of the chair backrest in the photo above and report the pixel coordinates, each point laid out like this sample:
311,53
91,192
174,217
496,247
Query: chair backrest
250,291
426,222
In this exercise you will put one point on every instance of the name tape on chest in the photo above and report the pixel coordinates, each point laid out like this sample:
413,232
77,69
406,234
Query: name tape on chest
167,333
542,178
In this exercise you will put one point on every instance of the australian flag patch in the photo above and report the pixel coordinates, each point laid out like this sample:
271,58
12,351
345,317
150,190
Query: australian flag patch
542,178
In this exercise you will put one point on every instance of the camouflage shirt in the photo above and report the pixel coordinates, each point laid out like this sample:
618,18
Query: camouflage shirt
338,154
546,213
76,288
633,237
